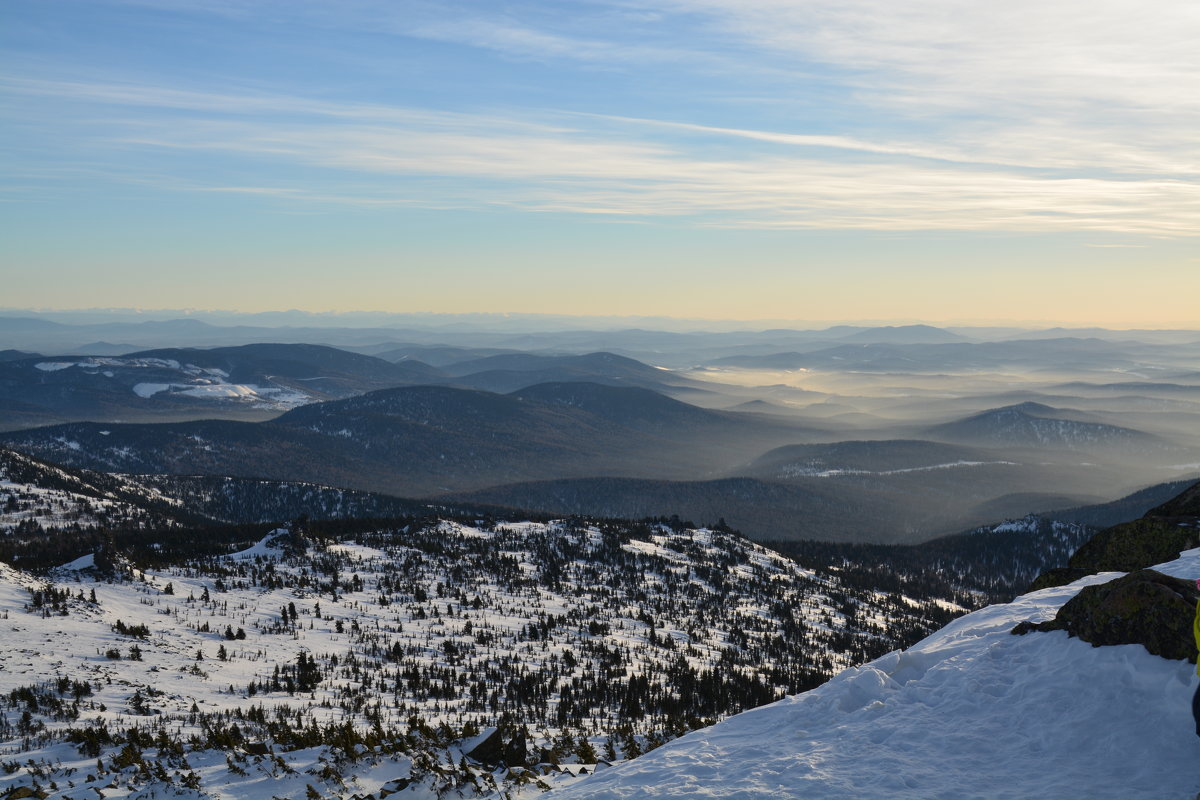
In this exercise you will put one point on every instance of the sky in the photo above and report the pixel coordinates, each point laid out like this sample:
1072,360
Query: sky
837,160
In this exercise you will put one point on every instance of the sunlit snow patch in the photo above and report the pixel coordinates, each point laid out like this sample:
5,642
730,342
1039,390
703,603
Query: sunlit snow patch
150,389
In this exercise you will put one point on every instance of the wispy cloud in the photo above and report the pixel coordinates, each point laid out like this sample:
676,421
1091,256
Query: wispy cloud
378,155
1021,53
1089,72
143,126
562,174
1022,116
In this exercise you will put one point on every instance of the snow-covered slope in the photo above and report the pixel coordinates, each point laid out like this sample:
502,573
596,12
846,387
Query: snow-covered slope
597,641
36,495
970,712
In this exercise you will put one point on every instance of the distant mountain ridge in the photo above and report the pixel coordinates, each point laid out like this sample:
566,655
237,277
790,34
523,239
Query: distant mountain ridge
904,334
253,500
1038,425
514,371
423,440
253,381
903,507
609,364
924,356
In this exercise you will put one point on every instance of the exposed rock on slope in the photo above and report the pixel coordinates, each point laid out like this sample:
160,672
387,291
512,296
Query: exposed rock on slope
1187,504
1144,607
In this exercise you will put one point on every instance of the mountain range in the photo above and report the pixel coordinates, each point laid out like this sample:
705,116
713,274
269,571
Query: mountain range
622,450
423,440
259,381
531,420
897,355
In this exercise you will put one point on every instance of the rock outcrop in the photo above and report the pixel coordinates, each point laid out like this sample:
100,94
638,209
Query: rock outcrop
1144,607
500,746
1186,504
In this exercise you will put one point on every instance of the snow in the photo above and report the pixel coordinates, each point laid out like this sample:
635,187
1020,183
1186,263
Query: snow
217,390
79,564
150,389
29,503
470,744
810,470
220,390
1027,525
205,383
262,547
47,643
970,712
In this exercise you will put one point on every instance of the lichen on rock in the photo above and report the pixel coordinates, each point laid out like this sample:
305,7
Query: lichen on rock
1144,607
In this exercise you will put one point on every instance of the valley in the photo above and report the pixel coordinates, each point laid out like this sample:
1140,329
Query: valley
890,434
500,572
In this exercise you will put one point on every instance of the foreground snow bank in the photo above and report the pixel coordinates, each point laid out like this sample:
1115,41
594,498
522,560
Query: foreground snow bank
970,712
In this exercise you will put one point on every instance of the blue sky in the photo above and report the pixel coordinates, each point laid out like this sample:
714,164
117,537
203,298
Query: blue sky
822,161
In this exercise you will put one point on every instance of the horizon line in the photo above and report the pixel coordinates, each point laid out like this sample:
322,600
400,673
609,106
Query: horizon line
512,316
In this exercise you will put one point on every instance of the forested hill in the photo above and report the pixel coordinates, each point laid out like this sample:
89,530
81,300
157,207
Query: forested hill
36,495
589,642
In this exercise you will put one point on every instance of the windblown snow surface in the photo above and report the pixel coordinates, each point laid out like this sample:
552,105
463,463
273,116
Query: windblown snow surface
970,712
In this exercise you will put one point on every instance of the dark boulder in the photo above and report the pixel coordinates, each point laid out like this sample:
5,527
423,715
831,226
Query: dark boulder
1144,607
501,746
516,751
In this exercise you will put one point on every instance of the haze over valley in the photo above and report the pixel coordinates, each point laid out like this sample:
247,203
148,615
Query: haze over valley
885,434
